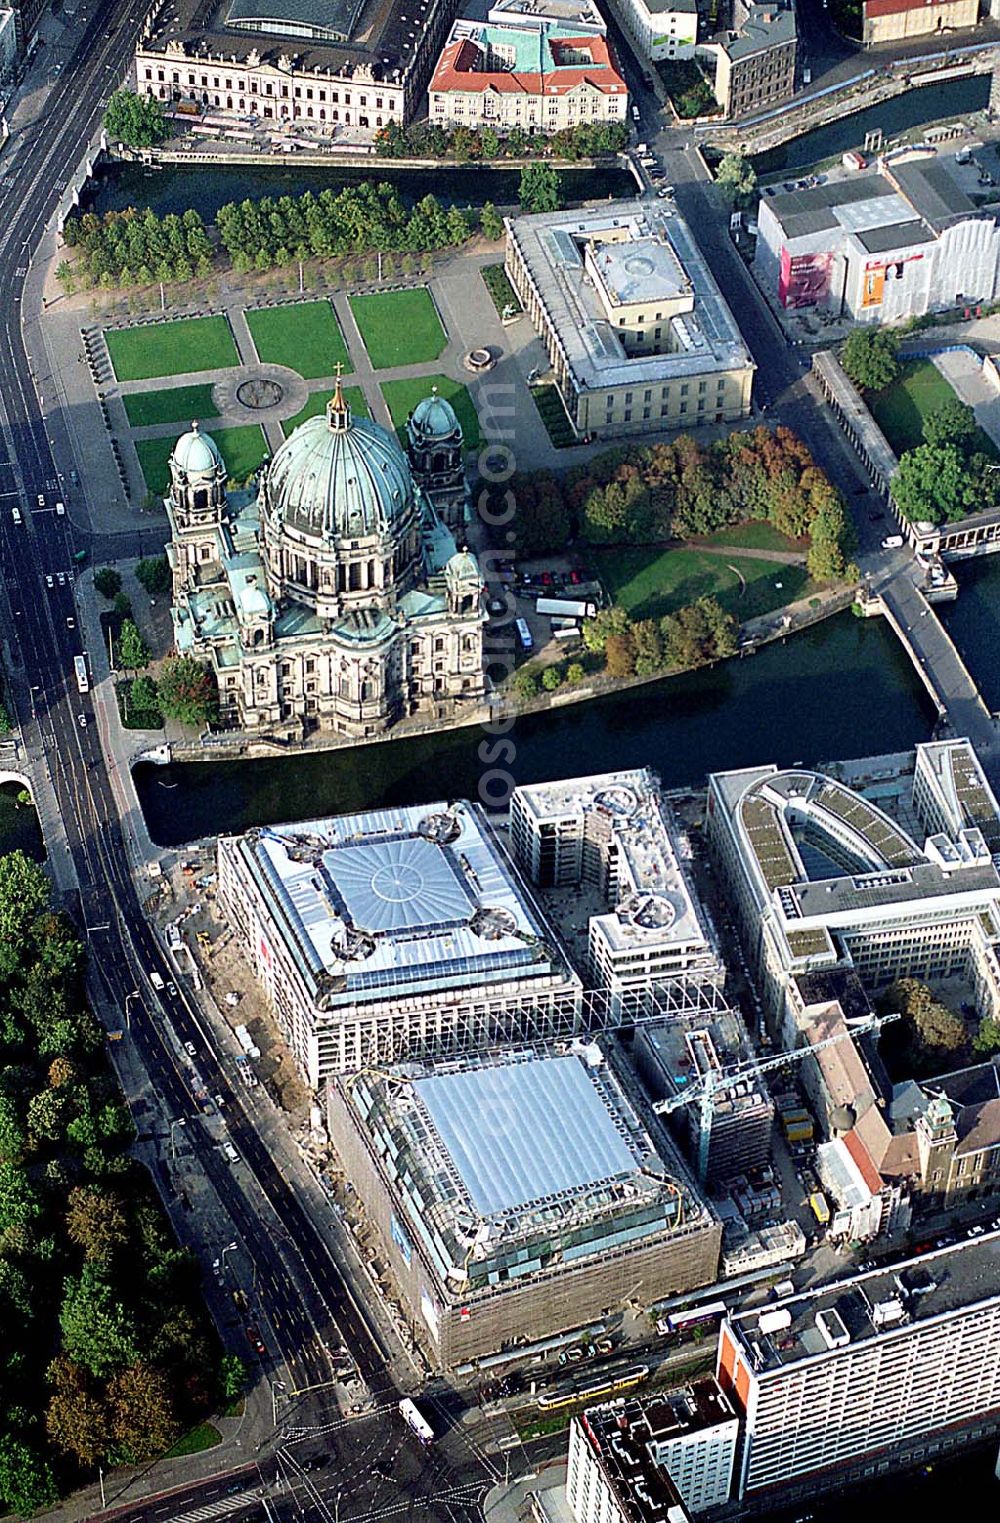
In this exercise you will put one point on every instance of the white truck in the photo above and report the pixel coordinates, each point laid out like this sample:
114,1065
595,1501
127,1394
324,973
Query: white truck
566,608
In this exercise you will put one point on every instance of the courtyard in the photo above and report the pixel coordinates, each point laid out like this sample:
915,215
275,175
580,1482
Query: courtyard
901,409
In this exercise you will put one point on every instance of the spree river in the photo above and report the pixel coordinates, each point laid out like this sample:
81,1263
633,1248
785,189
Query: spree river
843,688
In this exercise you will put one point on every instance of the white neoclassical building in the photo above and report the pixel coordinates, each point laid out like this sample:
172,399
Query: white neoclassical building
332,595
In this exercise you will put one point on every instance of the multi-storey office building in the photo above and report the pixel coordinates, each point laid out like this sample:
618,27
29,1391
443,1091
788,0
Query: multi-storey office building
642,1456
638,334
871,899
615,833
862,1376
517,1196
378,936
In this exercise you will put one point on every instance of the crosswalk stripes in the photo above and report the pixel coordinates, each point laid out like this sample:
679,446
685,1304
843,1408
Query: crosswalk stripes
217,1509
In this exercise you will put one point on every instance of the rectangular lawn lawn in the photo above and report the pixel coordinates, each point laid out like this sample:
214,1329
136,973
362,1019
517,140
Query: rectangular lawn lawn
901,408
179,348
305,337
399,327
650,584
402,396
242,449
317,404
177,404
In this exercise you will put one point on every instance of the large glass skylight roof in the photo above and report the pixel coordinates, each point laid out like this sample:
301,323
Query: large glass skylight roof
398,885
523,1132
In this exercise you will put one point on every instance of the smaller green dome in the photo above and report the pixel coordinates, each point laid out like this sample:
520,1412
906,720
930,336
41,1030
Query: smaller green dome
434,419
197,454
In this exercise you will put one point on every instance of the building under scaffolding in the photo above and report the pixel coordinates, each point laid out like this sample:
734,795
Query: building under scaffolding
517,1196
730,1133
393,934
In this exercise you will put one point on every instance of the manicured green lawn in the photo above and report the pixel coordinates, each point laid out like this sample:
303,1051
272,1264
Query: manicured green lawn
650,584
401,397
399,327
317,404
242,449
205,1436
177,405
753,536
901,408
179,348
305,337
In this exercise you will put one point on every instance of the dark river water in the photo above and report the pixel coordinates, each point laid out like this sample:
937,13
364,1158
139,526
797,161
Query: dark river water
915,108
176,187
842,689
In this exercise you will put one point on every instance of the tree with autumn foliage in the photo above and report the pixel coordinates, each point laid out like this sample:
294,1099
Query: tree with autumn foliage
187,692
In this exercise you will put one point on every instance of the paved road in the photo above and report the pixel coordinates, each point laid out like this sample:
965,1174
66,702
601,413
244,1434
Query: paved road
305,1304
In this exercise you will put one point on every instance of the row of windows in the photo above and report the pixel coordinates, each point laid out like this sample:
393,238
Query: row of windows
298,92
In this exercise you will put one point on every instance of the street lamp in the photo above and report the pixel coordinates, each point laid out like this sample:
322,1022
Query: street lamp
128,1018
228,1249
276,1386
180,1121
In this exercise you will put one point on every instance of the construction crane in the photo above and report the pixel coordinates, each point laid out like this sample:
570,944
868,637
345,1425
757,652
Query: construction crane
713,1080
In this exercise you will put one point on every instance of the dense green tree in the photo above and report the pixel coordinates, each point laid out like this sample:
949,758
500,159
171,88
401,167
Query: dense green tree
108,582
133,652
929,1036
186,691
153,574
491,222
609,621
99,1332
738,178
551,679
987,1039
575,673
526,682
26,1479
933,485
952,422
870,357
538,190
12,1133
24,893
135,120
232,1376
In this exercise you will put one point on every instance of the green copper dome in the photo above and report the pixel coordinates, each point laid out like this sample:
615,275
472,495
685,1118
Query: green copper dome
337,477
196,454
433,419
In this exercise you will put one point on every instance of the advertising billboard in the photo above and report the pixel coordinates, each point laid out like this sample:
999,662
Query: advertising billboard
804,279
878,271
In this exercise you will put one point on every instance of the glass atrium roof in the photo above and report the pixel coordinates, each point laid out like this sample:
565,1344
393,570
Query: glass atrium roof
398,885
524,1132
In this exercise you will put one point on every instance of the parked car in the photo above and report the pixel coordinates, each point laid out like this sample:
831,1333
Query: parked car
254,1339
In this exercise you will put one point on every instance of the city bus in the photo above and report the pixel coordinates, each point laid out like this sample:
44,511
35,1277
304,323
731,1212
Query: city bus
82,680
696,1316
415,1421
524,634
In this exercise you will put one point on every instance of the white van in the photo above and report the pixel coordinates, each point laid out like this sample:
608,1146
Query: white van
60,510
156,981
892,542
635,114
16,514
